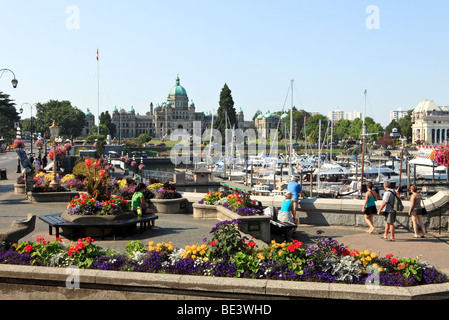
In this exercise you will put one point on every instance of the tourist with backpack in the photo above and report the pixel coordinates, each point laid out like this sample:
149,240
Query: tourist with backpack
388,209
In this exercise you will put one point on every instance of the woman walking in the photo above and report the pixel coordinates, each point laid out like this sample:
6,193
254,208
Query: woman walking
369,207
415,212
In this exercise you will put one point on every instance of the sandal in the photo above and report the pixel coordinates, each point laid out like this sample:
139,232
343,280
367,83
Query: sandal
386,239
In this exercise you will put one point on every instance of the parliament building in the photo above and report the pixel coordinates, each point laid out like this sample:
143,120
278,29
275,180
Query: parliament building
178,112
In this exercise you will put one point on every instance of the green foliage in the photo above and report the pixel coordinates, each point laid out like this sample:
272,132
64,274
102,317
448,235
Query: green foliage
226,107
8,115
69,118
134,246
226,239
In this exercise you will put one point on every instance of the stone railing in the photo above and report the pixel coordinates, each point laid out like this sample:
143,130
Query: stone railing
347,212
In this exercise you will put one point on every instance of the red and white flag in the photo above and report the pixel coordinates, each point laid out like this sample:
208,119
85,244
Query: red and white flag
97,54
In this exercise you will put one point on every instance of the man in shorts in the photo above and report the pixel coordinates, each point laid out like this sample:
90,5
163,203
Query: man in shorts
387,206
296,190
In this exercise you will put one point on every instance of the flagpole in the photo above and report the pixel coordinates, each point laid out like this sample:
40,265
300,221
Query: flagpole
98,94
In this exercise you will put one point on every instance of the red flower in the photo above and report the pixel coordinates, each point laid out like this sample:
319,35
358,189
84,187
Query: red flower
291,248
252,244
388,256
394,261
213,243
29,248
58,239
88,163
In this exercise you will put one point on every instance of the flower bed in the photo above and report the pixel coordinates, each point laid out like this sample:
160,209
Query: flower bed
227,254
239,203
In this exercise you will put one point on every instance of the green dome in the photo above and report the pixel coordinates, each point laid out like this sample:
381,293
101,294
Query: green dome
89,113
178,89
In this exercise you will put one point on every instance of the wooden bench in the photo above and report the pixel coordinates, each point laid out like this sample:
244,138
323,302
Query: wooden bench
55,221
283,227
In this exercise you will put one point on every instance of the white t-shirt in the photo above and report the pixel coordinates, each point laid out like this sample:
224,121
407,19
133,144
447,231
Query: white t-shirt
388,198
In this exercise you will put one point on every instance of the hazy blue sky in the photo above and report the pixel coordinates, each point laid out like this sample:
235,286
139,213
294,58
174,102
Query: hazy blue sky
256,47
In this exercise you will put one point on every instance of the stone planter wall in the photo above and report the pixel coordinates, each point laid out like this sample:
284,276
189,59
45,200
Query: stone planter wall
348,212
256,226
19,188
168,205
66,196
29,283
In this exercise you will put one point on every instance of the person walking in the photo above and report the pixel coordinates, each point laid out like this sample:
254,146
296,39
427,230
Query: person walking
295,189
416,213
369,207
387,206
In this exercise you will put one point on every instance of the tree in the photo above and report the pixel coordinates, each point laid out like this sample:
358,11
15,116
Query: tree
313,132
106,119
70,119
298,124
8,115
341,129
355,130
225,110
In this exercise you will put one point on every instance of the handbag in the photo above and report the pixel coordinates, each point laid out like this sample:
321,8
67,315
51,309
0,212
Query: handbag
423,210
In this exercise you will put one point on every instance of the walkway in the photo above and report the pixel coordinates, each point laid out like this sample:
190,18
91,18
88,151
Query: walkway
183,230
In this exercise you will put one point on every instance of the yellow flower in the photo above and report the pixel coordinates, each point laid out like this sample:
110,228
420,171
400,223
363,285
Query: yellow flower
373,255
366,252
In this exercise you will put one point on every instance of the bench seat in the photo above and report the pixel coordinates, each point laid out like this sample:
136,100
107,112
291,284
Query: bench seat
55,221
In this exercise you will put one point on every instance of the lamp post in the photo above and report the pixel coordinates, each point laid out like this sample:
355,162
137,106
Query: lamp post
21,110
54,133
13,81
18,136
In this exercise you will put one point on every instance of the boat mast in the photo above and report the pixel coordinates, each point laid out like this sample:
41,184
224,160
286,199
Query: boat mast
363,144
291,128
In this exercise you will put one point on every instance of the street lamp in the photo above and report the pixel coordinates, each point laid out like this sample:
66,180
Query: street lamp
13,81
54,133
21,110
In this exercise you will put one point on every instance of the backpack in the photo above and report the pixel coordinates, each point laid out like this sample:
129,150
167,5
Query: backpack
398,206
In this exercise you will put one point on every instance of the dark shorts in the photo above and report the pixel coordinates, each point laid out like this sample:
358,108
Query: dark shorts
390,217
371,210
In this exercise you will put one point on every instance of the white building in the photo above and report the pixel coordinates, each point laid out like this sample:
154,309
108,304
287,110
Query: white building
397,114
430,123
336,115
351,116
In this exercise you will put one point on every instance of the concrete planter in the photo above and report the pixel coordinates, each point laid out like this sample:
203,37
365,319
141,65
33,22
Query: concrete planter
29,282
204,211
95,221
169,205
19,188
65,196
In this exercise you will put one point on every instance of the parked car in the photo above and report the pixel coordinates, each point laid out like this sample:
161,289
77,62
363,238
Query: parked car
160,145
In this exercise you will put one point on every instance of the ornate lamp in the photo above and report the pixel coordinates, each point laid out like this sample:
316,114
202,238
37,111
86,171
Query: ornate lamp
54,133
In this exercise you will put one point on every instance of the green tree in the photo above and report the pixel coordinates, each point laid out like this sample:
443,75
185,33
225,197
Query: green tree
106,119
298,124
393,124
225,110
70,119
355,130
341,129
313,125
8,115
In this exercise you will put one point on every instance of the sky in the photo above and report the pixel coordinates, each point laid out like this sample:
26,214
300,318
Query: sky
332,50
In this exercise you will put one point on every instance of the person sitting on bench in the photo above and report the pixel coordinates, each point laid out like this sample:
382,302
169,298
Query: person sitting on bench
285,213
138,201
